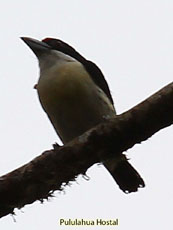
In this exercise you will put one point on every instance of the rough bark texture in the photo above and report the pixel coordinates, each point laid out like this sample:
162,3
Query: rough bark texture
55,168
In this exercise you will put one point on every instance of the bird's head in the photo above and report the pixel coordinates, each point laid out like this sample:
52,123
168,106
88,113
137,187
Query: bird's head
49,46
50,51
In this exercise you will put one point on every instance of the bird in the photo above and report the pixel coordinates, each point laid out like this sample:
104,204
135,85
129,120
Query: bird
74,94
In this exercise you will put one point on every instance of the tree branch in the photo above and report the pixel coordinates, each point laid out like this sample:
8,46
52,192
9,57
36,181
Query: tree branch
55,168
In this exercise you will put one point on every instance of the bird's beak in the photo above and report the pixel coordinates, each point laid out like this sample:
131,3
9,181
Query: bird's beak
38,47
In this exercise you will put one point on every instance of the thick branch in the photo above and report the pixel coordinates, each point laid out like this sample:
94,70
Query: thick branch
55,168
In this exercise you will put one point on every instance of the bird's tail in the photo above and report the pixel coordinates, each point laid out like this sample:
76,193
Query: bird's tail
125,175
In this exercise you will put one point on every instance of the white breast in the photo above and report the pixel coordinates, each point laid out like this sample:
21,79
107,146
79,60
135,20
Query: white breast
71,99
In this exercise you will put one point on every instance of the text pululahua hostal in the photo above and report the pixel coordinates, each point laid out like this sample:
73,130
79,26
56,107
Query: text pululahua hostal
80,222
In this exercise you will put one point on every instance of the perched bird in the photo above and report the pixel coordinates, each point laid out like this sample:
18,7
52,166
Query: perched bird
75,95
